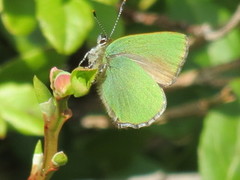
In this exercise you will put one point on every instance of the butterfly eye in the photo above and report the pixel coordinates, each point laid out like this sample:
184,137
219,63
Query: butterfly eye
102,39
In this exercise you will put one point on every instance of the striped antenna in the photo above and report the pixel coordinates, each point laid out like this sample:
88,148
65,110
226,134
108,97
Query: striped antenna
99,24
118,17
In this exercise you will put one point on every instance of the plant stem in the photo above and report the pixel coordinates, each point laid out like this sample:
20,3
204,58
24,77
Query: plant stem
51,135
52,127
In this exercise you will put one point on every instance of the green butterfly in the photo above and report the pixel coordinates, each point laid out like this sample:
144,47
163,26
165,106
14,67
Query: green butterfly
131,68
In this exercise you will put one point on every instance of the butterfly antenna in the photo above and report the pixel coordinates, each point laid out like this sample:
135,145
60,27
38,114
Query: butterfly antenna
118,17
99,24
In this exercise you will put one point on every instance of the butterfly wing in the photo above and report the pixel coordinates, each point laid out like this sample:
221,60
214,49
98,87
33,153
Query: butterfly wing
161,54
131,96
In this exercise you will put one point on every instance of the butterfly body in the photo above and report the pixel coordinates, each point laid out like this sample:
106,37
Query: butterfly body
132,67
96,55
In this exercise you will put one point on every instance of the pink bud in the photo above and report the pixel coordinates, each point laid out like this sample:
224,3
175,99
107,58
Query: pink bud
60,82
53,73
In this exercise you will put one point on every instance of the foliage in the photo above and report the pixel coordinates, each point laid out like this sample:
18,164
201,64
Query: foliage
38,35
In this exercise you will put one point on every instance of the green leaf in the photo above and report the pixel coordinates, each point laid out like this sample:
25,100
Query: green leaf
19,107
44,97
19,16
219,157
42,92
37,159
225,49
65,24
38,147
82,80
3,128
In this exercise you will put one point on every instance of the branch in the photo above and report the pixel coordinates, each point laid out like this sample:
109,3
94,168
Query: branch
206,33
208,76
211,35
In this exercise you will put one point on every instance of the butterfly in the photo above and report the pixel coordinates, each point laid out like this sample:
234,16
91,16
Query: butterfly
133,69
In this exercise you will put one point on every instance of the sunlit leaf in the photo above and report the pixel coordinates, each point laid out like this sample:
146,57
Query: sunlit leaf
225,49
65,24
42,92
19,16
19,107
219,148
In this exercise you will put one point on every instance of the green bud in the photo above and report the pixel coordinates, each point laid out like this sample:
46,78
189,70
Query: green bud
59,159
37,158
82,79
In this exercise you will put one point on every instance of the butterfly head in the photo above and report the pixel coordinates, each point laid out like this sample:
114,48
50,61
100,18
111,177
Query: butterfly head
102,40
96,54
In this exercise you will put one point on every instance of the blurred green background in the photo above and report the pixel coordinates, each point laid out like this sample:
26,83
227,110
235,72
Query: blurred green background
199,132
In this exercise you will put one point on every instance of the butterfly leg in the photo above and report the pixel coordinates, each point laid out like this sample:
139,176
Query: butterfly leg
107,64
91,65
102,68
84,58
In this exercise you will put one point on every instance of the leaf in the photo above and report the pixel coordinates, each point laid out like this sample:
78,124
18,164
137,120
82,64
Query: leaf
19,107
42,92
65,24
225,49
82,80
37,159
220,51
38,148
19,16
219,157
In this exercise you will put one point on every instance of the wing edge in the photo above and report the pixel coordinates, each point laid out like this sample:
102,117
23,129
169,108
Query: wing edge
145,124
